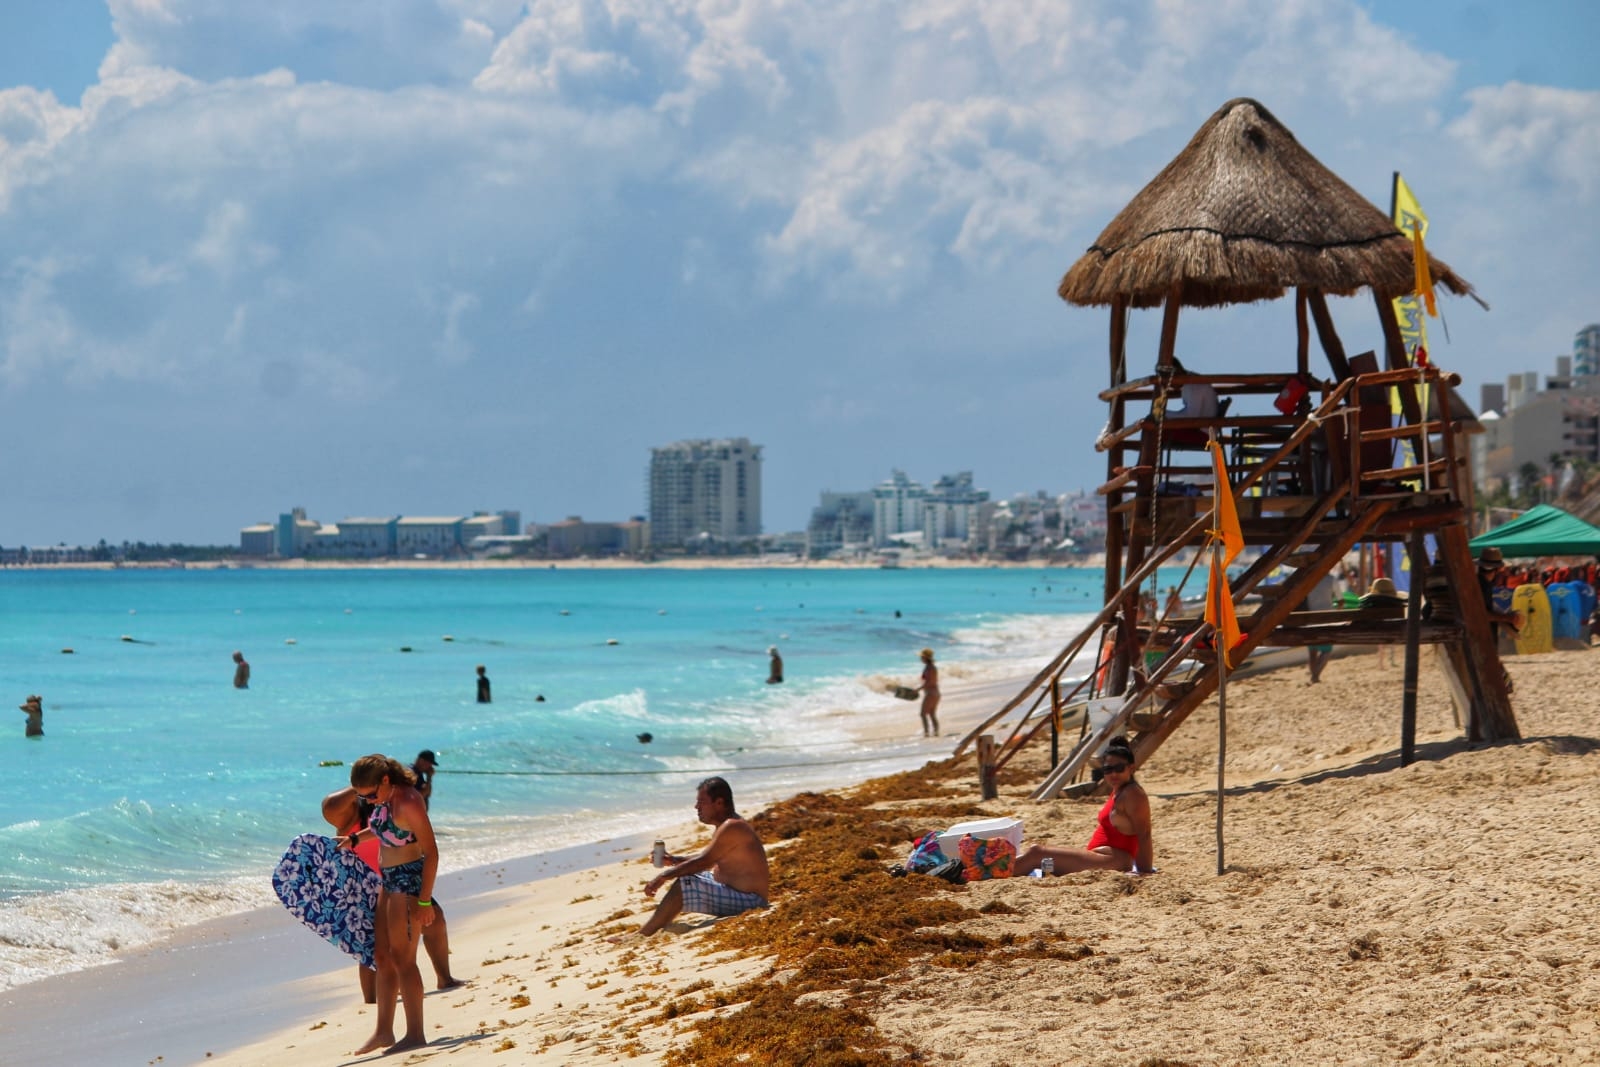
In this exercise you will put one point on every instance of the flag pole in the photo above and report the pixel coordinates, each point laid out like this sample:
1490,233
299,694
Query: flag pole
1219,641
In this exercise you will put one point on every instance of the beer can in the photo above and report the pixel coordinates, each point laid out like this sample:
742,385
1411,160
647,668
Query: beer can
658,854
1047,866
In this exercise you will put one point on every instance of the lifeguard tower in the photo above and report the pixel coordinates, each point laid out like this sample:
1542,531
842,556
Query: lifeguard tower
1317,464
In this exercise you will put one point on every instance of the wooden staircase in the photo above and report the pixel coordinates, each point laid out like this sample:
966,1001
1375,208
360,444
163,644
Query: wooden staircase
1343,451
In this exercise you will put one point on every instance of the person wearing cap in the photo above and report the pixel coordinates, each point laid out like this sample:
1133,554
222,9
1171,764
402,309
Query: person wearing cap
423,768
1491,576
774,667
33,708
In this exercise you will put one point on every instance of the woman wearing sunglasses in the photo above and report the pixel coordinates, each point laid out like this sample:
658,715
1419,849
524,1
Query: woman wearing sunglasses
410,861
1121,839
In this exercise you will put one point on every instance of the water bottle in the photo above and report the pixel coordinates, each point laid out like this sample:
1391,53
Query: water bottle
1047,867
658,854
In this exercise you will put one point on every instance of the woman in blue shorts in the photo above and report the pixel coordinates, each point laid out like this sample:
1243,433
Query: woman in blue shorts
410,860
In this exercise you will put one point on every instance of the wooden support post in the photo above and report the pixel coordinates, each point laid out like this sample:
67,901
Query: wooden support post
1302,347
1408,706
1491,718
1169,325
1055,720
1331,345
986,753
1115,523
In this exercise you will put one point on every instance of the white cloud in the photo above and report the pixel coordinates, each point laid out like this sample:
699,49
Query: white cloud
226,244
365,206
453,346
1535,130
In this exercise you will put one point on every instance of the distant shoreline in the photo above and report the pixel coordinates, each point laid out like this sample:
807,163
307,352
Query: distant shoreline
722,563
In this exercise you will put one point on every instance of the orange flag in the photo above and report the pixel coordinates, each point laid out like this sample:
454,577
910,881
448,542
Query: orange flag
1219,610
1227,511
1419,256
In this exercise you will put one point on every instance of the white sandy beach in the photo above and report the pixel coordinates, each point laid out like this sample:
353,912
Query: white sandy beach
1369,913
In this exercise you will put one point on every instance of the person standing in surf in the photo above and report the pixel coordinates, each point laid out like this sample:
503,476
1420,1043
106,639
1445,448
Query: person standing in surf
930,695
410,861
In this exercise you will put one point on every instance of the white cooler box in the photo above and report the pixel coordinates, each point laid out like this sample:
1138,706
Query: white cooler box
982,829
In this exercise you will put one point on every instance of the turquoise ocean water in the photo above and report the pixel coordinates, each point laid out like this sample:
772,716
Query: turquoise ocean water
161,796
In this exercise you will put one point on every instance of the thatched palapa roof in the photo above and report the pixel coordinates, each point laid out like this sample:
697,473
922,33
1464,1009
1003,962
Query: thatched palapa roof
1242,214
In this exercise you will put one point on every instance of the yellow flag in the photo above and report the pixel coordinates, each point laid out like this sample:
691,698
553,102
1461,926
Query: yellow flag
1227,511
1410,220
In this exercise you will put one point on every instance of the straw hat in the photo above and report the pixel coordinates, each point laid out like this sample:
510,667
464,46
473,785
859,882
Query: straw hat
1490,556
1383,587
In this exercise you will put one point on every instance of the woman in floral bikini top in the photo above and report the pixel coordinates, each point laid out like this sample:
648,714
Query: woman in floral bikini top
410,860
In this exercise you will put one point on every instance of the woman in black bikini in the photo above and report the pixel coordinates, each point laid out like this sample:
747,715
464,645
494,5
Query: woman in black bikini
410,860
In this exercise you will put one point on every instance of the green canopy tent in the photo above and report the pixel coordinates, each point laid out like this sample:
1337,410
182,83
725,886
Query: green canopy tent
1543,531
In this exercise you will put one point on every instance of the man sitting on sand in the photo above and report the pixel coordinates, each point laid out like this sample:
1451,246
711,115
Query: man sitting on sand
729,875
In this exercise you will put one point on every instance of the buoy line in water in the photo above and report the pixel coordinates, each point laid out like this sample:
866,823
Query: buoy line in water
685,770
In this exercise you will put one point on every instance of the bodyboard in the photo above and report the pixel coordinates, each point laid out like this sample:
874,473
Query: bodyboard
1564,620
1585,594
1534,605
332,891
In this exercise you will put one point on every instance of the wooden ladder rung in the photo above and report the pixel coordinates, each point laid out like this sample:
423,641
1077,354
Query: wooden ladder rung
1407,430
1128,475
1144,721
1400,474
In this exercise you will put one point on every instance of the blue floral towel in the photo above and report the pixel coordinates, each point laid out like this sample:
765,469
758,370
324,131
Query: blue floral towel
925,854
332,891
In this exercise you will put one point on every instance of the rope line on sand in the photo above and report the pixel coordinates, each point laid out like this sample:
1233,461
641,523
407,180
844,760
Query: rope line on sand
690,770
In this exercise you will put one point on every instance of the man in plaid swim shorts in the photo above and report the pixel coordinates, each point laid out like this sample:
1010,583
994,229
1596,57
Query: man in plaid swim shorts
729,875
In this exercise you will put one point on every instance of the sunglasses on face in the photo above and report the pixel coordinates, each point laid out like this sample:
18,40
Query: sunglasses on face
1113,768
367,796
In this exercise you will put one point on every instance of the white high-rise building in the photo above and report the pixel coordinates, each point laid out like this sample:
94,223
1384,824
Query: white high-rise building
951,509
706,490
896,508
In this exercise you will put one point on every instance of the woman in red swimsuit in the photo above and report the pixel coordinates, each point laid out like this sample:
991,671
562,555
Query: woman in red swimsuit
1121,840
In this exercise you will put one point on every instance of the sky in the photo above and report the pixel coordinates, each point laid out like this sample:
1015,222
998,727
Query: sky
428,257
